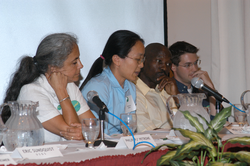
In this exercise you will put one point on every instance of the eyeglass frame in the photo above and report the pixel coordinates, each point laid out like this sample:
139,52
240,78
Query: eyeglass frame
139,61
189,64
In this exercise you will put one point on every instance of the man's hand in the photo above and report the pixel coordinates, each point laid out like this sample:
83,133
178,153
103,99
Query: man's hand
169,84
205,77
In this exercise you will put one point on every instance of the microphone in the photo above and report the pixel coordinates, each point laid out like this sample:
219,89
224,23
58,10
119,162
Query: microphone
198,83
93,97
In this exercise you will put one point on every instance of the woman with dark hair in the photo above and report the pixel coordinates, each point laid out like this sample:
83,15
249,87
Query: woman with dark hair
111,75
49,78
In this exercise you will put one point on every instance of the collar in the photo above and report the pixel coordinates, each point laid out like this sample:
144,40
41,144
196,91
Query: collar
183,88
144,88
113,80
42,80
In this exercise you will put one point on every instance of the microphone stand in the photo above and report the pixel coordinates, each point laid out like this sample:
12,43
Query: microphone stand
102,119
218,106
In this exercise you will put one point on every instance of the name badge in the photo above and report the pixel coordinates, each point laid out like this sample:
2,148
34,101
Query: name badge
130,104
6,160
128,142
37,152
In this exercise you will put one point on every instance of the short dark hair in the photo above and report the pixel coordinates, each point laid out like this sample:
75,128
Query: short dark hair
179,48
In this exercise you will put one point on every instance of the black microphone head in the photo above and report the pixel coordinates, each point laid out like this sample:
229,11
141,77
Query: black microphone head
90,95
197,82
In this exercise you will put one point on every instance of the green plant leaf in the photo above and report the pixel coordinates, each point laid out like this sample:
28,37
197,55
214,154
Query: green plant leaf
164,159
192,154
218,139
185,155
153,150
241,140
170,156
193,121
209,133
215,164
182,163
172,146
242,156
174,163
225,164
191,145
197,141
240,164
187,163
220,119
205,120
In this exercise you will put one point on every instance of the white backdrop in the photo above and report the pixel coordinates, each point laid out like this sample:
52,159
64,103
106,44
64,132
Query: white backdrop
221,30
231,47
24,23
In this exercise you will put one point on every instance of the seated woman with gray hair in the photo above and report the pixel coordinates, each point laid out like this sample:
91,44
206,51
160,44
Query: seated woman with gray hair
49,78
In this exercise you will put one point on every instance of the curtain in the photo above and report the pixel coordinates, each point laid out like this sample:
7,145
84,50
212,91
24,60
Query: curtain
230,25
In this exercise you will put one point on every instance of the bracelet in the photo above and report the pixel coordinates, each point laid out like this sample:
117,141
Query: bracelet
64,99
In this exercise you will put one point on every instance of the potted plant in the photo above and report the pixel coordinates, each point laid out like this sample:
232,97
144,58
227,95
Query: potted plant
202,143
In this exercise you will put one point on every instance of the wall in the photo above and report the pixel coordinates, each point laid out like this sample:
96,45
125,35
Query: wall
24,23
190,21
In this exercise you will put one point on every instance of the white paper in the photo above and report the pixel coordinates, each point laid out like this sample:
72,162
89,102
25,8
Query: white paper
171,133
238,130
6,160
128,142
37,152
102,146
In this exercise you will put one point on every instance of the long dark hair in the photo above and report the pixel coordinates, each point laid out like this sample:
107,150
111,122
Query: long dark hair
53,50
119,43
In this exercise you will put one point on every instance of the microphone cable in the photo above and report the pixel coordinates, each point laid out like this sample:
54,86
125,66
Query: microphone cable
132,133
237,108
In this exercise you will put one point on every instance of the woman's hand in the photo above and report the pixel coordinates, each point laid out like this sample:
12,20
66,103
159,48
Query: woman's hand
74,132
169,84
57,80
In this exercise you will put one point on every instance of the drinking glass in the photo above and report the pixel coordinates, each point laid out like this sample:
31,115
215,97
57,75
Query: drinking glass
90,130
131,120
239,116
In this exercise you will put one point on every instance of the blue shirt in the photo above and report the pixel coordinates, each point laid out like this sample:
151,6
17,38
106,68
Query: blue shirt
113,95
184,89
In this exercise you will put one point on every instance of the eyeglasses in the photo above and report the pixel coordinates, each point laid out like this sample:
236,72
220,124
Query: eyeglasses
139,61
188,65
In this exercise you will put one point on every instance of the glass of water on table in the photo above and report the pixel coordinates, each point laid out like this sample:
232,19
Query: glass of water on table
90,130
131,121
240,117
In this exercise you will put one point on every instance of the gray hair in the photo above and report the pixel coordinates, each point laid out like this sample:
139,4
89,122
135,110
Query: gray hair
54,50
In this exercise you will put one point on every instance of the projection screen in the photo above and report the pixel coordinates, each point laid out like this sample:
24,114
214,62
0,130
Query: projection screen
24,23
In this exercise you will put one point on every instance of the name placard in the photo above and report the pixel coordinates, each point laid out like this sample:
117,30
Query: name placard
6,160
128,142
37,152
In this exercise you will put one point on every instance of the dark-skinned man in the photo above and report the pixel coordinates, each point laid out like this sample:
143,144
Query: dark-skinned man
153,88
